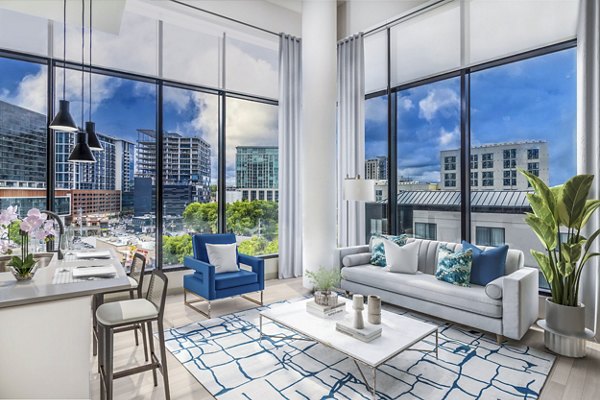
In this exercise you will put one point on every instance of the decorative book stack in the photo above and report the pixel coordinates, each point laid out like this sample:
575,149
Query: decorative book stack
325,311
367,334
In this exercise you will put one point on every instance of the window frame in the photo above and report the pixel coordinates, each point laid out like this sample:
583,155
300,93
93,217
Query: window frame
53,65
465,132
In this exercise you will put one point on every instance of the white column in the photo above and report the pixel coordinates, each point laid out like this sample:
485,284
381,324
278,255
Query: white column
319,133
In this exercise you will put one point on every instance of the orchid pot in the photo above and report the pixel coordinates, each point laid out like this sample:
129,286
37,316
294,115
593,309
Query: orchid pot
14,239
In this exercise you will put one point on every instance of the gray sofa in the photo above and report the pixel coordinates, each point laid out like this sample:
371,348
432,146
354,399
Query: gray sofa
509,312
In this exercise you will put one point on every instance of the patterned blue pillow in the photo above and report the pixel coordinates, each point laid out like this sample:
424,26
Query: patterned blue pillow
378,249
454,267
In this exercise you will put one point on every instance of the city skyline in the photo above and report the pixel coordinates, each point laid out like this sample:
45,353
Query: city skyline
544,110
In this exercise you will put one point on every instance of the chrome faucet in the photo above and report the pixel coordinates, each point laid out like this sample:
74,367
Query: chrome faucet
61,231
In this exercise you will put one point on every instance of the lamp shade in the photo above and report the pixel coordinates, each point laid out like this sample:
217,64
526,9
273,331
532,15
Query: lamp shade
63,121
92,138
357,189
82,152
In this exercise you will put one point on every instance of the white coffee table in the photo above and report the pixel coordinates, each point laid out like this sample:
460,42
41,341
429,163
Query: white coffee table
399,333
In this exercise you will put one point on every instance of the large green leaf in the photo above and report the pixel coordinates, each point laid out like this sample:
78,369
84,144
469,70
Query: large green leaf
547,234
571,204
541,189
544,264
590,207
540,208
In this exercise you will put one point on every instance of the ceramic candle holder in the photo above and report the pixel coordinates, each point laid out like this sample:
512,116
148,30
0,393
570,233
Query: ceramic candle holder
358,305
374,310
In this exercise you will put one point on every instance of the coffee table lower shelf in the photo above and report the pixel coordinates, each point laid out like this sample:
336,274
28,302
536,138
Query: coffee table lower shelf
371,385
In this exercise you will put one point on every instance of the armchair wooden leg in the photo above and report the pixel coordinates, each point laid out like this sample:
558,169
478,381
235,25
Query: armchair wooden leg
191,305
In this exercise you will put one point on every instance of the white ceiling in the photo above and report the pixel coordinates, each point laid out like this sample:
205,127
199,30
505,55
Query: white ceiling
107,15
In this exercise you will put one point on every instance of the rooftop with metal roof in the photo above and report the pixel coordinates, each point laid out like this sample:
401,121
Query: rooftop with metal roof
503,200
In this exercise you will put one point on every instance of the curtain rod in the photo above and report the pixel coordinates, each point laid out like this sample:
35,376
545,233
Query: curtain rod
404,17
224,17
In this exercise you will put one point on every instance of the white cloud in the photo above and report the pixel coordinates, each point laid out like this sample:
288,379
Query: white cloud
449,139
406,103
437,100
30,92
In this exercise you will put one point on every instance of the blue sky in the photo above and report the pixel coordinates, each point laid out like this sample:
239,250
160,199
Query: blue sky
533,99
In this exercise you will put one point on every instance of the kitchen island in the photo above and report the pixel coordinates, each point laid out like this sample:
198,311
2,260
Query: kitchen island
45,329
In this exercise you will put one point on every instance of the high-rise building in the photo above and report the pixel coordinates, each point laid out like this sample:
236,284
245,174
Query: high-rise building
22,147
376,168
257,172
186,168
494,166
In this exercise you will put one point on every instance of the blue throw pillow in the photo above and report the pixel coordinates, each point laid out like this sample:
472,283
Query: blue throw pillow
487,264
454,267
378,249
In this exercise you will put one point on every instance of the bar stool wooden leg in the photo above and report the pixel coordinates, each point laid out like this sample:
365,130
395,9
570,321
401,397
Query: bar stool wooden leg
152,354
108,354
145,341
163,359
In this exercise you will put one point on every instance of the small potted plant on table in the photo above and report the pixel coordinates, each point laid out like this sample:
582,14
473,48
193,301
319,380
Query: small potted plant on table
324,281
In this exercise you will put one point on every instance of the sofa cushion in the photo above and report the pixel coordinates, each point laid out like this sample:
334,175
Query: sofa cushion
402,259
427,288
495,289
356,259
378,250
488,264
454,266
223,257
227,280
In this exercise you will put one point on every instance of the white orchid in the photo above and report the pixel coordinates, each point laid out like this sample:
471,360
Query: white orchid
8,216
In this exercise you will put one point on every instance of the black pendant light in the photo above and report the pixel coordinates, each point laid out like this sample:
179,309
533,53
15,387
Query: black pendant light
90,127
63,120
82,152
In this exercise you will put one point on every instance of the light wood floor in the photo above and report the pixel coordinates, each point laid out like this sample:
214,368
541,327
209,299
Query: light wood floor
569,380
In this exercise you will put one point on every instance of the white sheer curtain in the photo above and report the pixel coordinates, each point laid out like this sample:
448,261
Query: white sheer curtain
588,137
351,136
290,182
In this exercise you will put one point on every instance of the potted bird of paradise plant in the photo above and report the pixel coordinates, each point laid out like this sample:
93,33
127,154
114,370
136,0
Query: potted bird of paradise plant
558,218
36,224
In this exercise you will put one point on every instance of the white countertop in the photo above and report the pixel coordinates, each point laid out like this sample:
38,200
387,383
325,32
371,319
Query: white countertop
41,289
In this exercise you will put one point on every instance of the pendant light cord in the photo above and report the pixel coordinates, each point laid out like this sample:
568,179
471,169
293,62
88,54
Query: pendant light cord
90,76
82,63
64,47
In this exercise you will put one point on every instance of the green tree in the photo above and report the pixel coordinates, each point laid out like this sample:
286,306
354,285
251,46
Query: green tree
175,248
249,218
201,217
272,247
253,246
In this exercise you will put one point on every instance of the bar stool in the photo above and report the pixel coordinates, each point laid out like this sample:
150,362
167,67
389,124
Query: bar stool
136,280
118,314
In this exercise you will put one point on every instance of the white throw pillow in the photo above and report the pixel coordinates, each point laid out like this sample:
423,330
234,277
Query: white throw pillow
223,257
402,259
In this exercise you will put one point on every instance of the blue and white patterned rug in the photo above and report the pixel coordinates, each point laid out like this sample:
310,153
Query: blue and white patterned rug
226,357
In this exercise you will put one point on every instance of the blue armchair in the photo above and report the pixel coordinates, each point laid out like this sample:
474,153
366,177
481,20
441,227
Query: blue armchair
208,285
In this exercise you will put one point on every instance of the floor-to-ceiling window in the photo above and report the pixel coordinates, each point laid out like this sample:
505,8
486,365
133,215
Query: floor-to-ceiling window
162,101
23,138
113,201
376,163
522,116
252,175
428,159
190,170
475,98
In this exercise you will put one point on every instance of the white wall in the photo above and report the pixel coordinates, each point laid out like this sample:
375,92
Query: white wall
360,15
